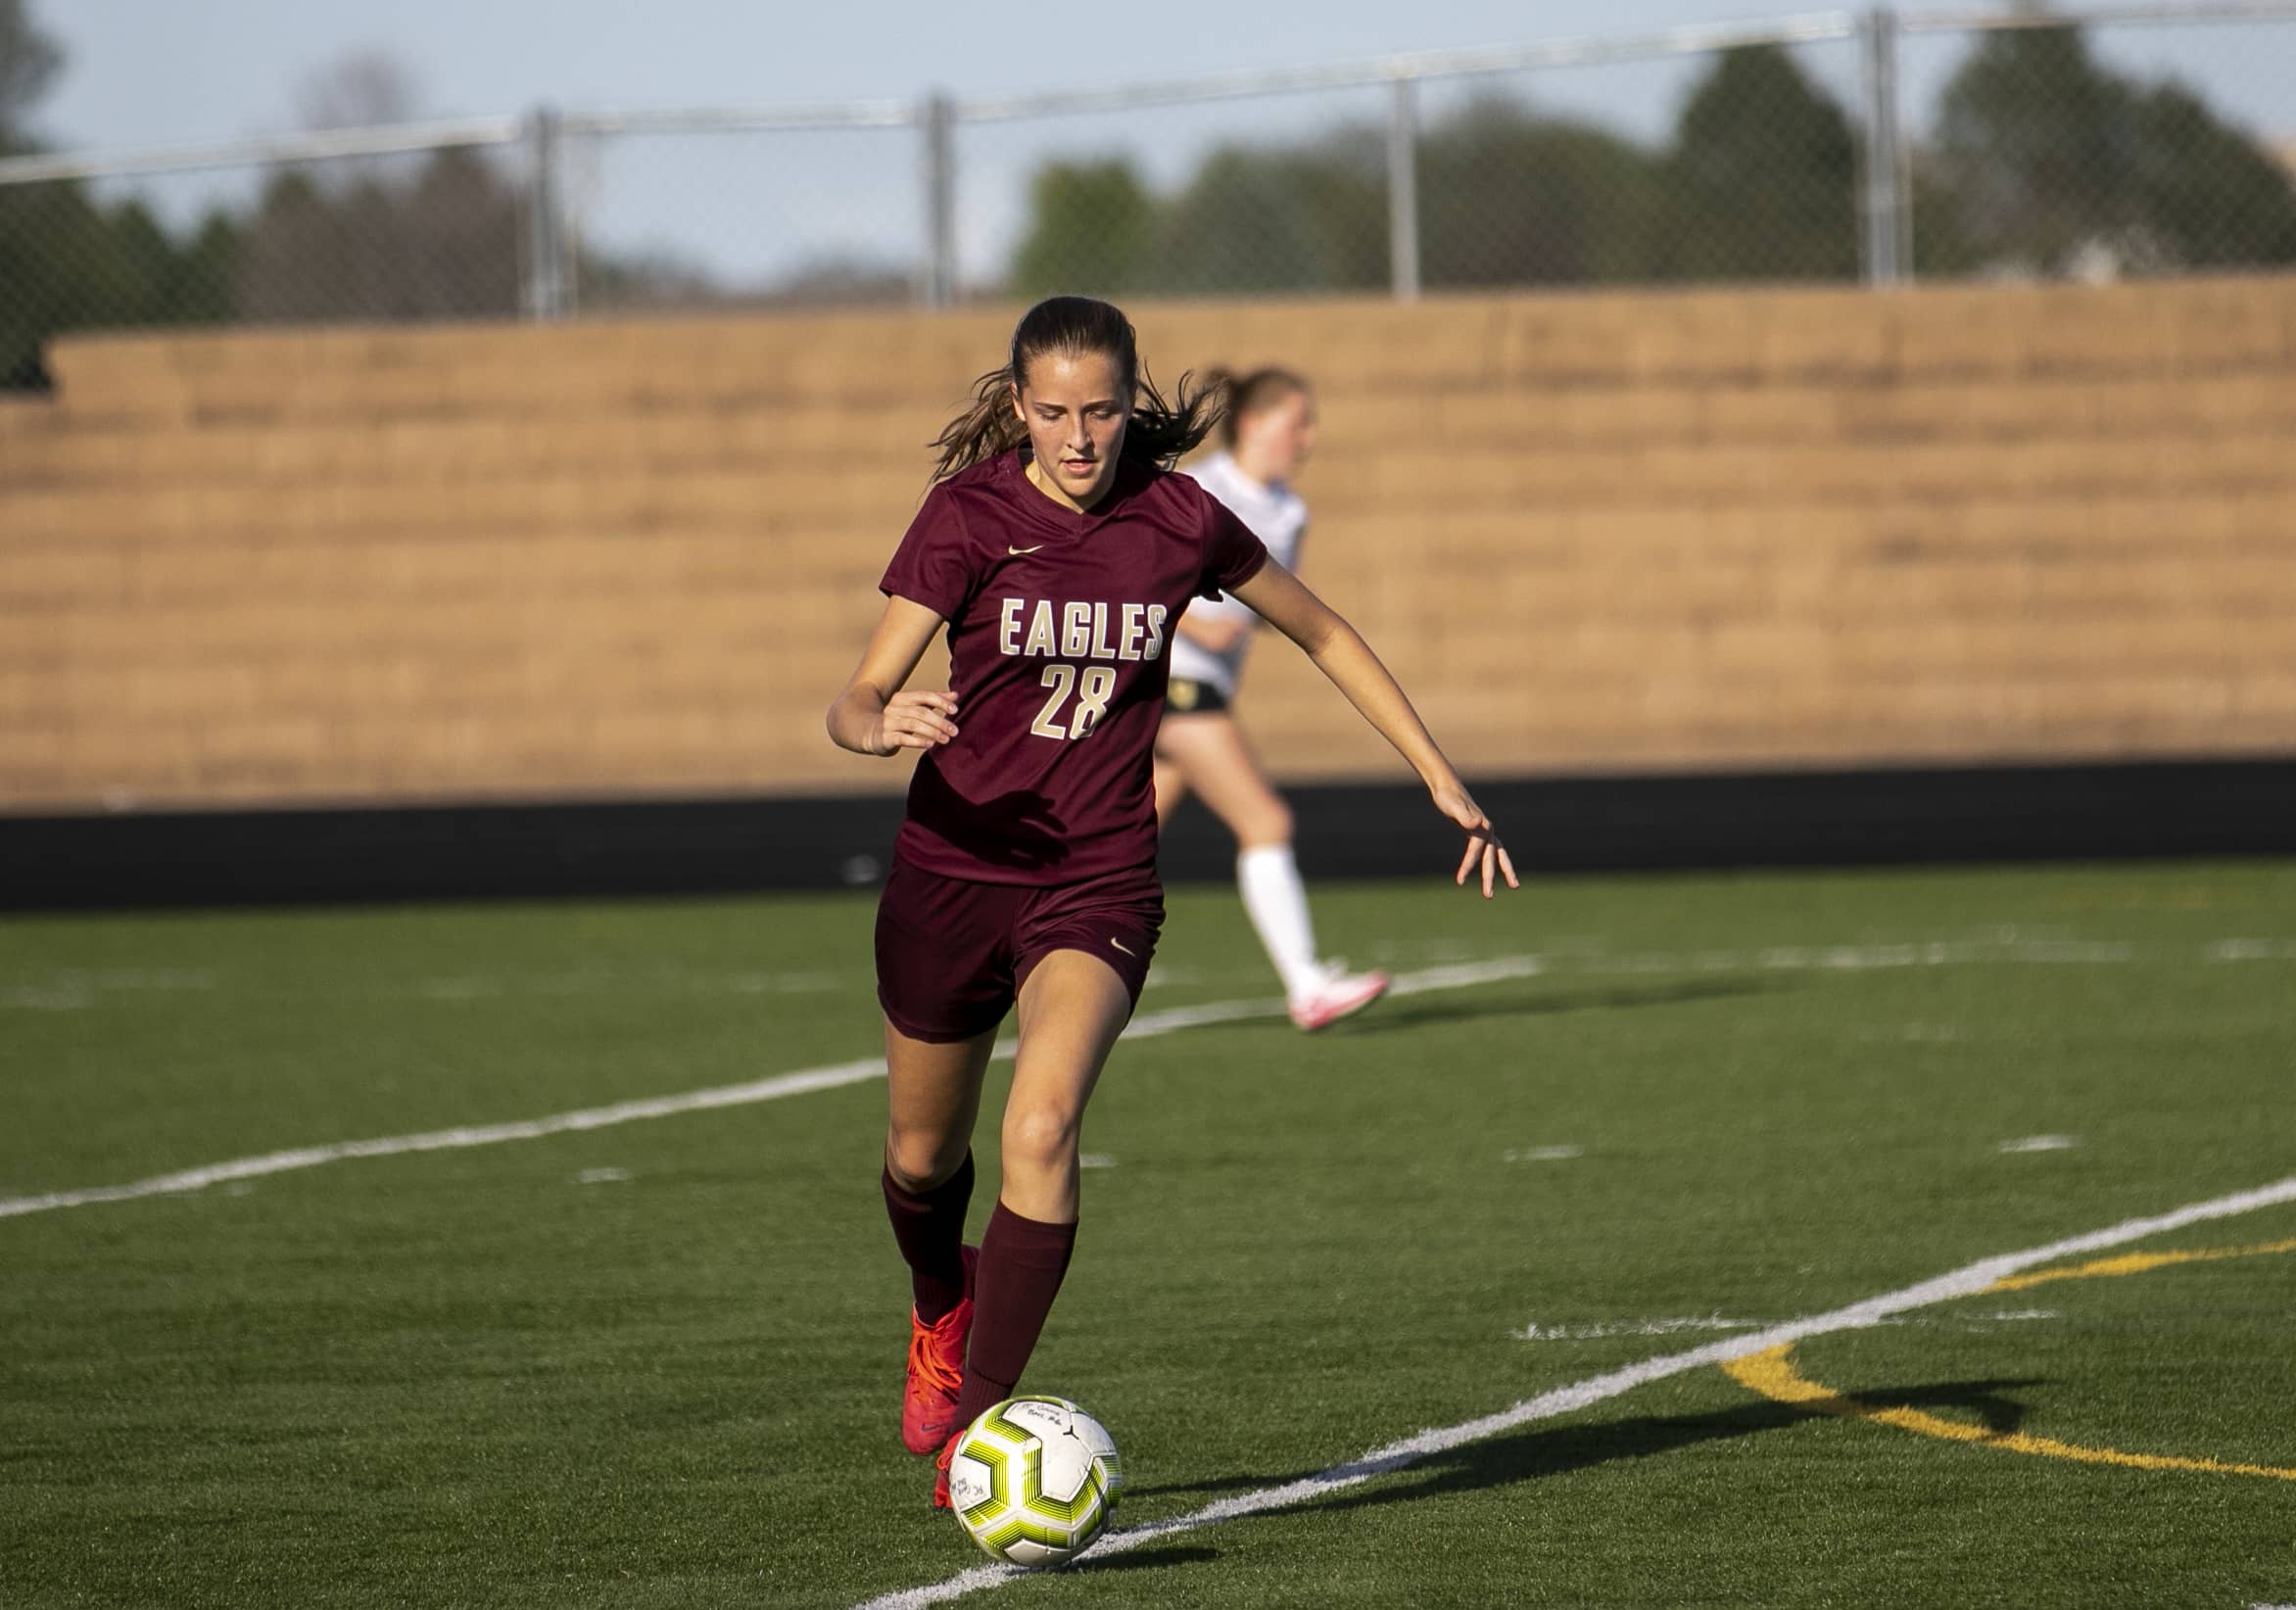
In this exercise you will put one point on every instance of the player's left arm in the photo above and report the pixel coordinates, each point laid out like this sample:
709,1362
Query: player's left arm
1339,651
1214,629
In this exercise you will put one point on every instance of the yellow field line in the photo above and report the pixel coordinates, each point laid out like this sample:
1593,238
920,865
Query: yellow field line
1772,1375
2128,1263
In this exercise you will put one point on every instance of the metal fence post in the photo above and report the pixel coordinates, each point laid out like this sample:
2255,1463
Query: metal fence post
1403,189
546,279
1886,239
936,271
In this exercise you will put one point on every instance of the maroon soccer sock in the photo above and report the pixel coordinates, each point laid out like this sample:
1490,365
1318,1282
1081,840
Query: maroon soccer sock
929,1226
1021,1262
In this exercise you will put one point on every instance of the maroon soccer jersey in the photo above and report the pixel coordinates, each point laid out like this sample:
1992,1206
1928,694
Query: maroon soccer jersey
1058,624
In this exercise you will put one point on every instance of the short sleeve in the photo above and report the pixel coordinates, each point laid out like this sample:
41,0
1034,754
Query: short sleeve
1232,554
934,565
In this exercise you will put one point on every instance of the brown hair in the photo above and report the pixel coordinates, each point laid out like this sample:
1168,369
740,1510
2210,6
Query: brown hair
1248,393
1159,433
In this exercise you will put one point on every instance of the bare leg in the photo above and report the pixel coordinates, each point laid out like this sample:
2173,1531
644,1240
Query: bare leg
934,1098
1210,755
1214,758
1171,787
1073,1008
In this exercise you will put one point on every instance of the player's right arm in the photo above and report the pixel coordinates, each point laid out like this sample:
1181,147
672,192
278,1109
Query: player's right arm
874,716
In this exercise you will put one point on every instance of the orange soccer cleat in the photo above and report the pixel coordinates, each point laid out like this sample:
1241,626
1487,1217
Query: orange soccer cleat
940,1469
937,1368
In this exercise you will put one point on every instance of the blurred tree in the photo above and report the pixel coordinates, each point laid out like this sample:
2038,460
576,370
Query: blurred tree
655,280
186,282
2043,163
436,236
661,280
1093,229
1509,197
2034,146
360,89
2054,166
439,243
839,282
68,263
30,60
432,236
1761,182
1506,197
1310,217
2216,194
1942,245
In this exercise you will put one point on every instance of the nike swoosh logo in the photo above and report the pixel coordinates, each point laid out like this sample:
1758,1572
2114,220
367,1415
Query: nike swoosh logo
1121,945
1016,552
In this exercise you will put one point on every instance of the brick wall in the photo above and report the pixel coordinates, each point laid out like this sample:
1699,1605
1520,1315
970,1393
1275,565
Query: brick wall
1589,531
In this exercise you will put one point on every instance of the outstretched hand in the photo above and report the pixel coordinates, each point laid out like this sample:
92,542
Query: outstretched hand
1483,845
919,719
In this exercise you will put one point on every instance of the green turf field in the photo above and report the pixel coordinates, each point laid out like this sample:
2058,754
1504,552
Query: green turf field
657,1363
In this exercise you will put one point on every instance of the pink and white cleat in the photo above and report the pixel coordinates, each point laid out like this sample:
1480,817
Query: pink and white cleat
1340,994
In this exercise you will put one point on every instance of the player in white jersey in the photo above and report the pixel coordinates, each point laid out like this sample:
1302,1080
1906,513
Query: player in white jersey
1268,433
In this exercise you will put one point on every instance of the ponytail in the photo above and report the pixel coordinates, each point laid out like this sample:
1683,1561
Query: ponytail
1159,432
1249,393
1164,433
984,430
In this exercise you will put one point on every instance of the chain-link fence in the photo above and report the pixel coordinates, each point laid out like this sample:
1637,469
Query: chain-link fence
784,206
2147,139
427,221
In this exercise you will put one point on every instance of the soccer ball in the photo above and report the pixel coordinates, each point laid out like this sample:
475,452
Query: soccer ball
1035,1480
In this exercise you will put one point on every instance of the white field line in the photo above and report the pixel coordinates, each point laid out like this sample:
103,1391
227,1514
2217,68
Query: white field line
2253,950
1594,1389
1148,1026
77,990
1917,953
74,991
1541,1153
1604,1329
445,1140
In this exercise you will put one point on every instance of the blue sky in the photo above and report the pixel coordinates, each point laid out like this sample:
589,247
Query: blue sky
145,71
149,71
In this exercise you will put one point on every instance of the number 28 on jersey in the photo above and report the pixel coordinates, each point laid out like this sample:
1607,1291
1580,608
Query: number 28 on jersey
1067,633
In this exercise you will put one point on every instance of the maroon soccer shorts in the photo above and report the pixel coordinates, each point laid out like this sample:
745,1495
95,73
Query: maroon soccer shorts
952,954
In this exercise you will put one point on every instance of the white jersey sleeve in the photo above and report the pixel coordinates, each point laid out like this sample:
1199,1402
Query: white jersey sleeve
1278,517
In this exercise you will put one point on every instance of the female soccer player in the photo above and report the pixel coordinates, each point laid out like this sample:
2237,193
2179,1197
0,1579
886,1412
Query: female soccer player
1058,549
1269,431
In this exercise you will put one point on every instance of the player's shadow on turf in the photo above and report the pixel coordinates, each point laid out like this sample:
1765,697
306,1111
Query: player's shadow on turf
1391,1017
1558,1451
1239,1482
1149,1559
1555,1450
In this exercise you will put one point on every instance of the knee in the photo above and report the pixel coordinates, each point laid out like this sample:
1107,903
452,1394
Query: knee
1270,826
919,1159
1040,1137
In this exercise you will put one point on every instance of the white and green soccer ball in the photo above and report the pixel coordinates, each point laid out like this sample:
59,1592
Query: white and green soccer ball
1035,1480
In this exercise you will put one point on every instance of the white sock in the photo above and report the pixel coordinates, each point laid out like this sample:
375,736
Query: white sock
1270,879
